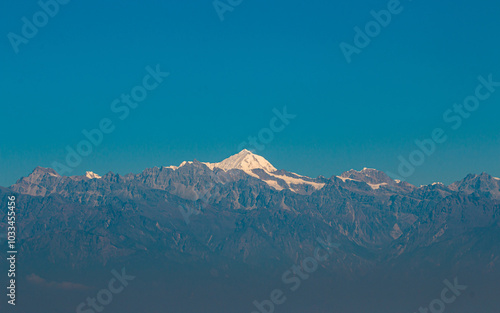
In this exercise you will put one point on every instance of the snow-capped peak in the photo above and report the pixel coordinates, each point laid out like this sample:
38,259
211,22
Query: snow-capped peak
245,161
92,175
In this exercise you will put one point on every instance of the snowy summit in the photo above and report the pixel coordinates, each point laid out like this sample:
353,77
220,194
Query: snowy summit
92,175
248,162
245,161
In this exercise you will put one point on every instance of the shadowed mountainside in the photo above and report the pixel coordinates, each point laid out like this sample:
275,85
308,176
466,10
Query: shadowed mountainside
239,224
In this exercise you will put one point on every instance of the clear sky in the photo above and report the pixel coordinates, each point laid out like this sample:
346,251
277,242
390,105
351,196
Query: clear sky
226,77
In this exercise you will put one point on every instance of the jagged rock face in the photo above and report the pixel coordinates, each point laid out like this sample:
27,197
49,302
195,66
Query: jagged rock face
368,175
484,184
231,226
37,182
244,210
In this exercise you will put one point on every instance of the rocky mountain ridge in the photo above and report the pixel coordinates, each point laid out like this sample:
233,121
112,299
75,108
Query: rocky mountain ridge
242,218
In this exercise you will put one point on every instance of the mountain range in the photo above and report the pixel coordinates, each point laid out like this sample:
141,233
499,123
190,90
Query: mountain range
229,230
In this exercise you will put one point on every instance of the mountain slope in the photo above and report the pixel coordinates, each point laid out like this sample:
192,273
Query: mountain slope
229,230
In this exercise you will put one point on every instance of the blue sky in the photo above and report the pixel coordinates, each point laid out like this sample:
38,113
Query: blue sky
226,77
